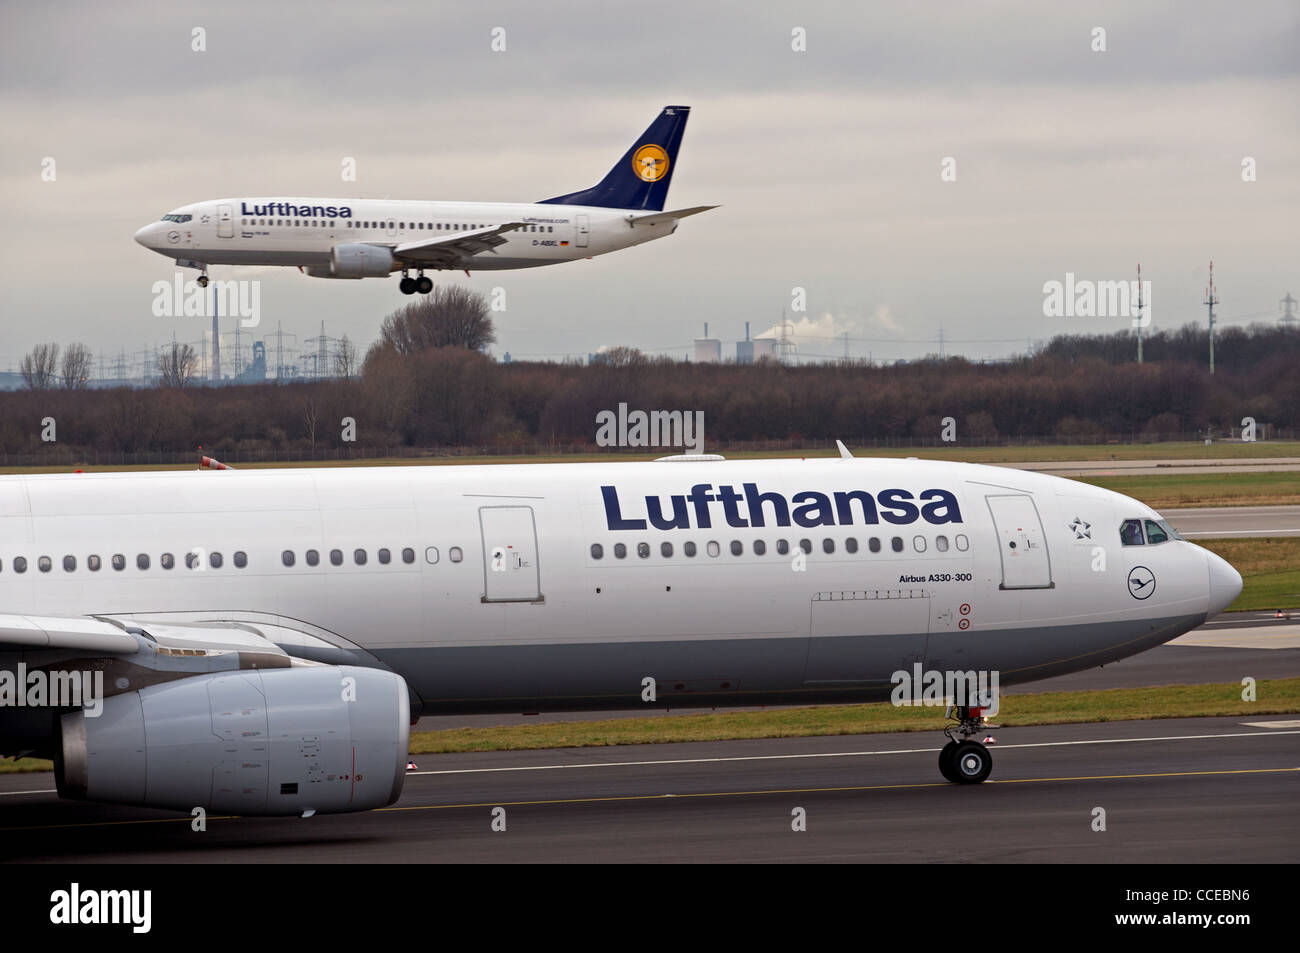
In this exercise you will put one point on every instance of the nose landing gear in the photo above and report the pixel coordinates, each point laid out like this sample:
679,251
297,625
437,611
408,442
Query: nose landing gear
963,761
203,277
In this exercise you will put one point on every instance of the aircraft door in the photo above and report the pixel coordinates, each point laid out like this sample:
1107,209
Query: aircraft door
583,231
225,221
510,569
1022,543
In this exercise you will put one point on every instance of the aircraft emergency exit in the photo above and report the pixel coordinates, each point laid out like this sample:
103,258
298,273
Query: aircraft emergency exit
372,238
264,637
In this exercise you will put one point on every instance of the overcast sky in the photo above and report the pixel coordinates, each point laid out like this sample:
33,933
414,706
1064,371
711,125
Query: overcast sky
826,162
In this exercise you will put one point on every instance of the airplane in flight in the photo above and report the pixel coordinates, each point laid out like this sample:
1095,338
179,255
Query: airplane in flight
372,238
263,639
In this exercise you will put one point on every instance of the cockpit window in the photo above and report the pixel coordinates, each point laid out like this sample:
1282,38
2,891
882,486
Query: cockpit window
1130,533
1169,528
177,218
1155,533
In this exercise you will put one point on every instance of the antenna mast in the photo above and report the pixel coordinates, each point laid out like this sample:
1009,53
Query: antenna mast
1211,299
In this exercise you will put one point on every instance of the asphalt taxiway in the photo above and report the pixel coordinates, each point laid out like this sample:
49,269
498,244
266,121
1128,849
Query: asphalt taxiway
1174,790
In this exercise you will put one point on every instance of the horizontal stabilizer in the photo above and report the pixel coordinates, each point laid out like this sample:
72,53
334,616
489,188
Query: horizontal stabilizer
658,218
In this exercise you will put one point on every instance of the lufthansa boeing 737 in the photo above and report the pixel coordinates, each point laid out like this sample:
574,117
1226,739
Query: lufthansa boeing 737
372,238
258,642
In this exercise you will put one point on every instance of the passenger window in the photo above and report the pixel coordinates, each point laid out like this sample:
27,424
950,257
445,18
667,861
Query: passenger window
191,561
782,546
851,544
215,560
918,543
1155,534
666,550
1130,533
896,544
385,557
620,551
455,554
431,555
168,561
313,557
119,562
142,561
359,557
44,564
963,543
828,545
643,550
713,548
287,557
69,563
241,559
408,555
760,547
941,543
597,551
336,557
805,545
737,548
688,548
20,564
93,563
874,544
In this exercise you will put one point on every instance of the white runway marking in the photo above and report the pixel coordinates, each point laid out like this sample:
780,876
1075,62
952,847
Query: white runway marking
41,791
837,754
1271,724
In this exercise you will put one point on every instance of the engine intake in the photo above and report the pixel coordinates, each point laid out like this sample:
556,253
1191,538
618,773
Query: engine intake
323,739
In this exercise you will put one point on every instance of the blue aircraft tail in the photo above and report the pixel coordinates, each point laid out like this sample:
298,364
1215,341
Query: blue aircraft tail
640,179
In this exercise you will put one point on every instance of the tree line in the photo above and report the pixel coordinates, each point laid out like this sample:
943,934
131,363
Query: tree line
427,384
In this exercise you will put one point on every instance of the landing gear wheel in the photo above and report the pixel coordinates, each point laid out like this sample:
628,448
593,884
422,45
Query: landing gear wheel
203,281
971,762
423,284
407,286
945,762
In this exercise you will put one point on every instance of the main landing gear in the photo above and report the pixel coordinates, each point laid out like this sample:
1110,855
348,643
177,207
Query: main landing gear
409,285
963,761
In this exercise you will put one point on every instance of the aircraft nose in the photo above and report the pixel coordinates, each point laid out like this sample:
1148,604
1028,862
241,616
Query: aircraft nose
142,235
1225,583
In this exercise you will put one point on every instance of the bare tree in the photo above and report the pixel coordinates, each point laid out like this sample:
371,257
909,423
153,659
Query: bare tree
450,316
39,366
310,418
177,365
76,366
345,359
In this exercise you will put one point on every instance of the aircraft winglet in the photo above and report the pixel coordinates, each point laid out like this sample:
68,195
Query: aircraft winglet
844,451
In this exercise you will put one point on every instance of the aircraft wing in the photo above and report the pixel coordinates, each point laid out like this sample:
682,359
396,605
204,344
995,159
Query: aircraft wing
451,251
80,633
658,218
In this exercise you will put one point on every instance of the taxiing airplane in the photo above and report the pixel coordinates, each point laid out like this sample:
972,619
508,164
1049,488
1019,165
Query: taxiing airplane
265,637
372,238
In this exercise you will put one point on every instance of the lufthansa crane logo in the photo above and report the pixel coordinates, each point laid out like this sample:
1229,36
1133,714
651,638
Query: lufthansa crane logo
650,163
1141,582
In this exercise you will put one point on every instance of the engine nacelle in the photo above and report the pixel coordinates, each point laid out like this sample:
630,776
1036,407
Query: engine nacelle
325,739
355,260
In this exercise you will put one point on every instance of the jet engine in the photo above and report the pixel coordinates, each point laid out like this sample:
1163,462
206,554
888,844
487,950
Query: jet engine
355,260
317,739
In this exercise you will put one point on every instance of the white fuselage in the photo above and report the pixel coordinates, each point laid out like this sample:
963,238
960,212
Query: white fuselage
522,588
260,231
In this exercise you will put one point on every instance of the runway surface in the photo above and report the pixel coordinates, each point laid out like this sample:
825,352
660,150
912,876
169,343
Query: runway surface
1100,468
1235,521
1187,790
